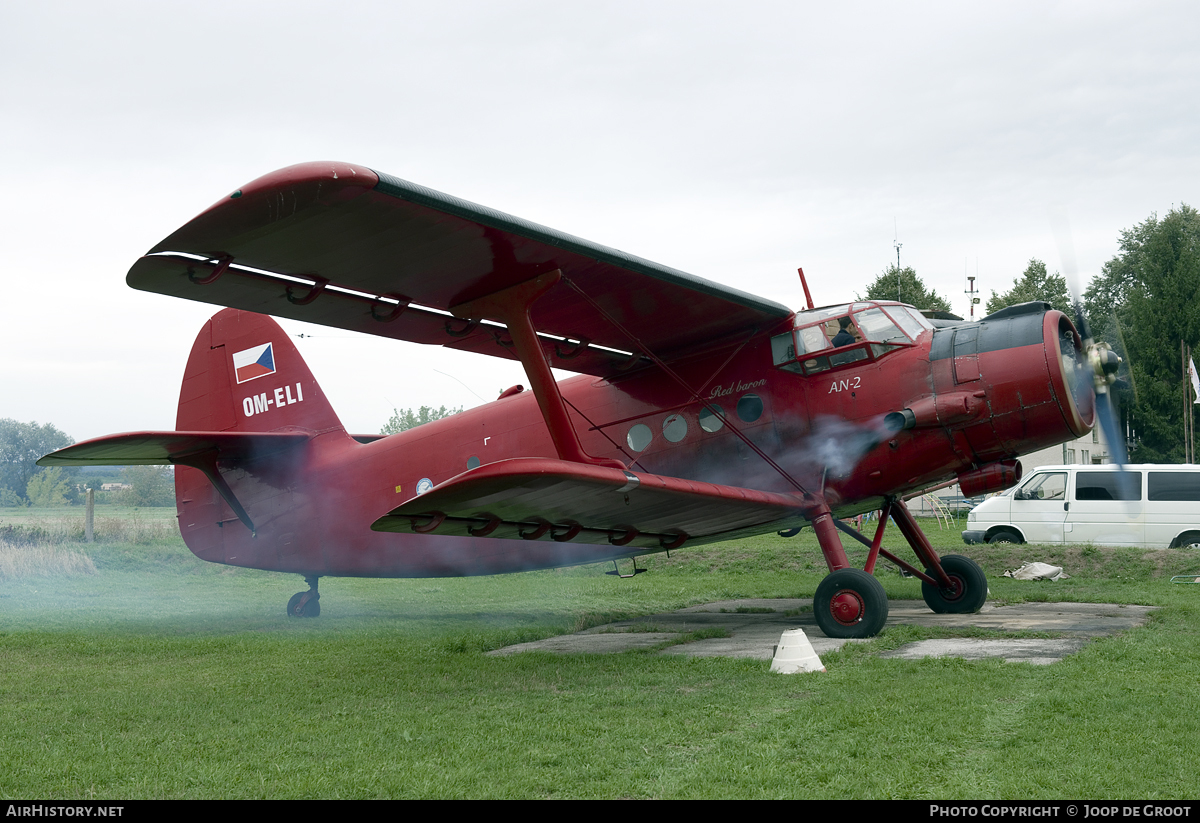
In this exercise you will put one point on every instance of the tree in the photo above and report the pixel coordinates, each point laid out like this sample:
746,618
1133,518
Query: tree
1034,284
21,446
910,287
408,419
1147,295
48,487
149,486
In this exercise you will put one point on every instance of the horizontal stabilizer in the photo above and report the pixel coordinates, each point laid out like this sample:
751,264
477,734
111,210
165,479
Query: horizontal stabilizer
542,499
167,448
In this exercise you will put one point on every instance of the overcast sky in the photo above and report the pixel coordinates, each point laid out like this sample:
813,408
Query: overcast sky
732,141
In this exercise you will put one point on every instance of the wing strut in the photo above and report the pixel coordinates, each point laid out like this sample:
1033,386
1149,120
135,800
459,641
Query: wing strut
695,395
511,306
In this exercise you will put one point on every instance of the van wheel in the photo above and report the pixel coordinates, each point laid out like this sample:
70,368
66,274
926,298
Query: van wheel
1005,536
1189,540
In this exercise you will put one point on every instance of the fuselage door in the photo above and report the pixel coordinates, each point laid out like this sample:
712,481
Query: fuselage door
966,354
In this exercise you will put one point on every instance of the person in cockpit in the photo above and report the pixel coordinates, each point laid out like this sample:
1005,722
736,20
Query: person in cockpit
844,337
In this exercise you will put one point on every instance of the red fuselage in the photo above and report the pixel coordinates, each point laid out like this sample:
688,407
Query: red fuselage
977,395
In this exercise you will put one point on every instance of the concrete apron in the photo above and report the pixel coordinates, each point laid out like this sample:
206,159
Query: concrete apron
755,635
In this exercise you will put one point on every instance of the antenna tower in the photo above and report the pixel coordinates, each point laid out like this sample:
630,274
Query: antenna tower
897,244
970,290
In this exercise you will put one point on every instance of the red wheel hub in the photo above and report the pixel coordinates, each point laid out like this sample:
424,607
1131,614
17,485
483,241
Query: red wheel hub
955,590
847,607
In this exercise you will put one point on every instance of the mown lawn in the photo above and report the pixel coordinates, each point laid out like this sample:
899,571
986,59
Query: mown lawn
158,675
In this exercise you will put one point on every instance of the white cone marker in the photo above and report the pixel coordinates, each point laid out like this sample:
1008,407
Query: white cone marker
795,654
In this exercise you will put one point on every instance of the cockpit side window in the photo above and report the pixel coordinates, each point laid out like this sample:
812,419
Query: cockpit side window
811,339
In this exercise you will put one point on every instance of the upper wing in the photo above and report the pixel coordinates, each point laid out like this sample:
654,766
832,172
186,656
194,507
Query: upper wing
344,246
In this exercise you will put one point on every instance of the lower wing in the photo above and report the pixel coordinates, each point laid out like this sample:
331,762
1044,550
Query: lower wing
536,498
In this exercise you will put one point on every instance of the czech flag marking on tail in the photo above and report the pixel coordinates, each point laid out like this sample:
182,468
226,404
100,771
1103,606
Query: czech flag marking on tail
256,362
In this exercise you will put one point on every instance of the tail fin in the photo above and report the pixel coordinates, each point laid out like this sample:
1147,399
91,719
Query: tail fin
244,375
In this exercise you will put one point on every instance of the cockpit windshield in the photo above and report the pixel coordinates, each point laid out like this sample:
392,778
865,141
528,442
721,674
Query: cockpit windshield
878,327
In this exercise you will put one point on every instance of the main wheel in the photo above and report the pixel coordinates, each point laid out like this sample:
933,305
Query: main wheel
968,590
1005,536
850,603
310,608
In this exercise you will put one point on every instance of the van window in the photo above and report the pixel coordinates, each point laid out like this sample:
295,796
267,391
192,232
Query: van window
1047,486
1174,486
1105,486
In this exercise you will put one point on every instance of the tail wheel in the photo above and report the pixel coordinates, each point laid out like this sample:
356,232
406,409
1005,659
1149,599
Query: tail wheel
850,603
304,604
967,591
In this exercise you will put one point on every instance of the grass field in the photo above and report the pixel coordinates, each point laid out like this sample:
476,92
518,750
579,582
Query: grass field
153,674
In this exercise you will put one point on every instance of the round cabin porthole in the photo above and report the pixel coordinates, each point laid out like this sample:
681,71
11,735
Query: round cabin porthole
639,437
675,428
472,462
712,418
749,408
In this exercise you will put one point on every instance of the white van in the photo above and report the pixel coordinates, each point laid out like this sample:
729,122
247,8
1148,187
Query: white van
1154,506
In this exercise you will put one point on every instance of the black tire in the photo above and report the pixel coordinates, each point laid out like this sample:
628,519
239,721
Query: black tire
850,603
1005,536
310,609
1189,540
969,592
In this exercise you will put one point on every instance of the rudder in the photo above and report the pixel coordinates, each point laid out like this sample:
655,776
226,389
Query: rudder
244,374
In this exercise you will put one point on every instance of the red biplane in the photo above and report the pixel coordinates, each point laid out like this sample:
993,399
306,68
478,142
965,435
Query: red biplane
700,412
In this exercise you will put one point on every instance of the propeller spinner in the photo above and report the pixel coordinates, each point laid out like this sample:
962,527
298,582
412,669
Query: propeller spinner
1098,367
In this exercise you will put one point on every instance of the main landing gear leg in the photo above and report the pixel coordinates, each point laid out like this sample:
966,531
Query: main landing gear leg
950,585
306,604
849,603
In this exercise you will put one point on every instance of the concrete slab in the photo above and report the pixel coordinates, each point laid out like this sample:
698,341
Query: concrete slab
1036,651
754,627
